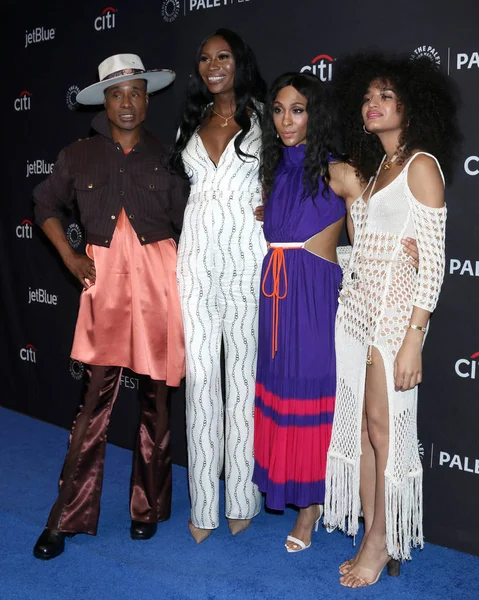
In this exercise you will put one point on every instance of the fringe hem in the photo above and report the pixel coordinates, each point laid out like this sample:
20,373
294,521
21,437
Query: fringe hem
403,506
342,494
404,516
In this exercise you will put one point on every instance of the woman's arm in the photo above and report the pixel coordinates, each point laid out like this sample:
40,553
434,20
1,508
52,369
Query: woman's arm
429,213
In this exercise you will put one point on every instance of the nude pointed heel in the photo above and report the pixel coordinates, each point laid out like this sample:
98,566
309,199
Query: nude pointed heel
199,534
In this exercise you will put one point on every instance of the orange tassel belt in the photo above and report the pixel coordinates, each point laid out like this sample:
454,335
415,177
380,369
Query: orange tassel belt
277,266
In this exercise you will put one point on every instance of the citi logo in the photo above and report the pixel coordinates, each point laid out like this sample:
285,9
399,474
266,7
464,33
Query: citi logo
106,20
23,102
427,51
468,61
471,165
462,463
321,66
39,167
467,367
42,297
24,230
39,34
466,267
29,353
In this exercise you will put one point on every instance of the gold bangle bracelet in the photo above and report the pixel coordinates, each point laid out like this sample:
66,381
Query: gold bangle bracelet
418,327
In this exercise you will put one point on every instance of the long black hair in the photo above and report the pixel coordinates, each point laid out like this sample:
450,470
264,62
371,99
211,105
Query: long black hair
428,99
319,133
249,87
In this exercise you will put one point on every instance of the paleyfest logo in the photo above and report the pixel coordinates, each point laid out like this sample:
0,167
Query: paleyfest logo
321,66
71,97
106,20
468,61
23,101
464,267
461,463
467,367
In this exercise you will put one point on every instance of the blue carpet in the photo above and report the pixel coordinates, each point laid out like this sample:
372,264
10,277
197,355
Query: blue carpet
171,566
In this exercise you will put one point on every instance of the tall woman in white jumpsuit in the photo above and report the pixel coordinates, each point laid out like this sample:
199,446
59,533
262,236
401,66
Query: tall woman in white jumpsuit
220,253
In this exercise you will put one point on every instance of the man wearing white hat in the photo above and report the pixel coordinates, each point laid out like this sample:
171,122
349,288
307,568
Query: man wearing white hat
131,207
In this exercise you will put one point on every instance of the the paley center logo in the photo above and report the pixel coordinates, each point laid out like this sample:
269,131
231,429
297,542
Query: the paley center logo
428,52
23,102
321,66
467,367
71,97
74,235
77,369
170,9
106,20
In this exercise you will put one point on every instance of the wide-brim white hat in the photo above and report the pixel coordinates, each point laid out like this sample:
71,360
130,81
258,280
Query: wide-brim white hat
123,67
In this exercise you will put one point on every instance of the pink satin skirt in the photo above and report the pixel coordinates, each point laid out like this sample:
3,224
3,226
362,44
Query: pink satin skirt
131,316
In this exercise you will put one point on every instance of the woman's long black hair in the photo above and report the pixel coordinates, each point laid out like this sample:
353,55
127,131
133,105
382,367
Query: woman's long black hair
319,135
428,99
249,87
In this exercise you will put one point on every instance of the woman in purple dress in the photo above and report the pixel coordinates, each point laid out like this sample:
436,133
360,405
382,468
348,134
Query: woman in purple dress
296,375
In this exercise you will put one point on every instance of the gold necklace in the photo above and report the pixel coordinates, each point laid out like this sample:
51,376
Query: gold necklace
389,163
226,119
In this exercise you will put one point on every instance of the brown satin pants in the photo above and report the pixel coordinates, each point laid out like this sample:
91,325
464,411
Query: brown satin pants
77,508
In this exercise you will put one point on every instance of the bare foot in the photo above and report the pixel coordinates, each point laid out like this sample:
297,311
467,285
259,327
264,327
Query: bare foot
303,528
367,568
347,565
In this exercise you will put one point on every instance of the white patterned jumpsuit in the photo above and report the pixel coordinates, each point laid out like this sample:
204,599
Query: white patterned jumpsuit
220,254
380,289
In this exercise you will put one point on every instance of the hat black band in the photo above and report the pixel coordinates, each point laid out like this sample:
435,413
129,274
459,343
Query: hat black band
123,72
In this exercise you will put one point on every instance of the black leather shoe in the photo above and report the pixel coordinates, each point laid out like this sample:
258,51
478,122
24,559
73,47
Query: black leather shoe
50,544
142,531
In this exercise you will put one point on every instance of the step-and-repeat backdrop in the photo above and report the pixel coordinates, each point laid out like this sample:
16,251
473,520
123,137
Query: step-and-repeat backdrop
53,53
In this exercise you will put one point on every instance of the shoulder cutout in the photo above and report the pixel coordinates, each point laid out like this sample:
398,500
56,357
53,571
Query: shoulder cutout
425,181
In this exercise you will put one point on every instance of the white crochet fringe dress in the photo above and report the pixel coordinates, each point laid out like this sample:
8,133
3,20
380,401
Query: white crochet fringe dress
380,289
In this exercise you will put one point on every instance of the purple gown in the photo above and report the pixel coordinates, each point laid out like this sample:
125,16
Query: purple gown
295,390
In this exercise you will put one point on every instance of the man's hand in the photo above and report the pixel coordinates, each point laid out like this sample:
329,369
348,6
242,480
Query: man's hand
82,267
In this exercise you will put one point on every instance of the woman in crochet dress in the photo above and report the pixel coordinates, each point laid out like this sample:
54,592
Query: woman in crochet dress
402,140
